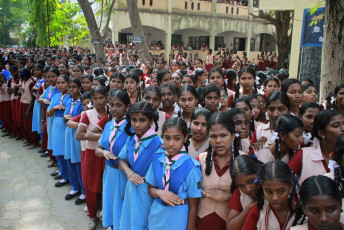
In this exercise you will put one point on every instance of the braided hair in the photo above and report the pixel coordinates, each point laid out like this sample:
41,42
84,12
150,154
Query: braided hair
231,75
227,122
277,170
251,71
246,101
337,157
315,186
144,108
180,124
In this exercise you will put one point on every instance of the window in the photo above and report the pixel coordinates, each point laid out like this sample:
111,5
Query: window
192,6
186,5
232,10
198,6
143,2
151,2
226,9
238,10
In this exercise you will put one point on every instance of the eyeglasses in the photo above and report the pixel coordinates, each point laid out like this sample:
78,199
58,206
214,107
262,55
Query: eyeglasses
224,96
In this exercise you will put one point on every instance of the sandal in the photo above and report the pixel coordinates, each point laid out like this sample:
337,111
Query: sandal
52,164
93,223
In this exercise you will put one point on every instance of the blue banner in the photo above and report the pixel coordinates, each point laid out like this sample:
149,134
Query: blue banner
312,35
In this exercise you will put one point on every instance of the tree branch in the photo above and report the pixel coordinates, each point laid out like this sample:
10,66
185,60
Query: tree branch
265,16
105,29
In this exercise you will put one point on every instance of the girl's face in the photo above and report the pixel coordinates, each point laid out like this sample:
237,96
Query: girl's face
77,72
198,64
73,89
244,107
168,68
176,79
308,118
85,61
99,101
167,78
310,95
216,79
276,192
37,72
235,66
295,94
333,129
29,64
186,81
187,102
160,65
140,123
107,65
276,109
340,97
246,81
95,83
223,98
116,83
117,108
62,85
242,125
294,139
144,68
323,212
52,78
152,98
203,77
246,184
255,106
85,103
167,98
212,101
262,104
63,69
174,140
271,87
221,139
130,85
198,128
86,84
174,66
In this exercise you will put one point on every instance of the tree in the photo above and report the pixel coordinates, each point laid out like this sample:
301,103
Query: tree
136,25
281,19
98,32
332,67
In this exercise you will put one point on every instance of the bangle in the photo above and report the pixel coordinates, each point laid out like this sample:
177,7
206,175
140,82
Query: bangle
130,174
42,120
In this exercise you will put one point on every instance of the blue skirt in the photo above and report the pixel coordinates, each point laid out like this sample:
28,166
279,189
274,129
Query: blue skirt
36,117
68,143
136,207
75,148
58,139
50,121
121,182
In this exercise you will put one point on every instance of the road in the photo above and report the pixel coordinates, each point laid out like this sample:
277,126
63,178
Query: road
28,197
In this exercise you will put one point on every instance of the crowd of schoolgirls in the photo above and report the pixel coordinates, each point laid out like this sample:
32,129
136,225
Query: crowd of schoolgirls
168,148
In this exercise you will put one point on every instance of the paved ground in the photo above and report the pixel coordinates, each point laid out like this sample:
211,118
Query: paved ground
28,197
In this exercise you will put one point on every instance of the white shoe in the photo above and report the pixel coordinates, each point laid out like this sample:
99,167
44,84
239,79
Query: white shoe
85,209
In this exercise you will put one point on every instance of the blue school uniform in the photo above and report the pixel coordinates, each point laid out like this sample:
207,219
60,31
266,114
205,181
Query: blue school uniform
114,179
137,201
50,120
185,182
58,134
72,147
37,111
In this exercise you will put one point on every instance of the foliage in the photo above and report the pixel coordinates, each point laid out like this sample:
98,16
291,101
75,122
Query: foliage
314,9
68,25
12,14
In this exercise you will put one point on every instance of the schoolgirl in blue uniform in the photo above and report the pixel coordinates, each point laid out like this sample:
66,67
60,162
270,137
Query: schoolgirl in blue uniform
72,145
57,108
135,159
110,144
37,108
174,180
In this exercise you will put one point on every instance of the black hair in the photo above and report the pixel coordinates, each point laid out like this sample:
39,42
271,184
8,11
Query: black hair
245,99
121,95
161,75
213,70
152,88
243,164
198,72
76,81
315,186
180,124
147,110
88,76
137,80
200,60
336,91
54,70
190,76
276,170
286,124
208,89
39,66
271,79
305,87
281,77
338,156
86,95
279,95
231,75
80,68
223,119
322,119
288,82
308,105
65,77
201,112
262,78
99,89
169,86
309,80
246,69
101,79
118,75
192,90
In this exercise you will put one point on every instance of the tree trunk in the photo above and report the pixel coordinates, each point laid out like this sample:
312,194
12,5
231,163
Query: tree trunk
93,27
283,38
332,65
135,21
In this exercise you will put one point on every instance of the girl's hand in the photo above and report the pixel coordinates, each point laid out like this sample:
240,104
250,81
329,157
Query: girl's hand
170,198
46,101
216,194
67,117
136,178
108,155
260,143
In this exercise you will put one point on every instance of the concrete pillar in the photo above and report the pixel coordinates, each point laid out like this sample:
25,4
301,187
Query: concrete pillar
212,33
295,43
249,32
168,34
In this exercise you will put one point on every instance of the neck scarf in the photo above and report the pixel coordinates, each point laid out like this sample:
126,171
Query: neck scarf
113,133
73,103
169,163
148,135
